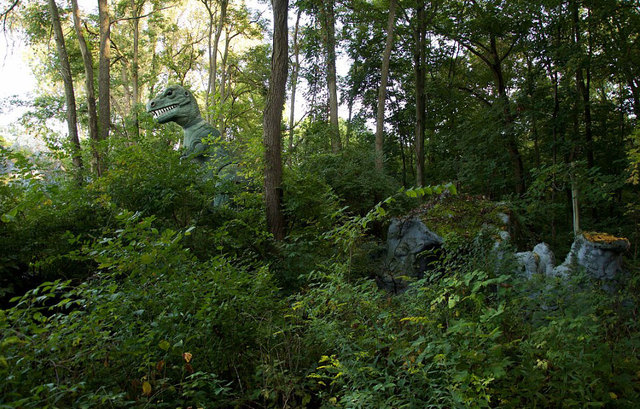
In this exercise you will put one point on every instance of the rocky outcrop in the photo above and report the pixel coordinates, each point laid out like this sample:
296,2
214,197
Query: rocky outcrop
409,243
412,249
599,254
539,261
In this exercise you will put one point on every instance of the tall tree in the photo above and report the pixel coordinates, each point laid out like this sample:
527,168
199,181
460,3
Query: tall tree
490,30
136,12
420,33
382,91
294,79
272,120
217,13
87,61
329,22
104,93
65,72
583,77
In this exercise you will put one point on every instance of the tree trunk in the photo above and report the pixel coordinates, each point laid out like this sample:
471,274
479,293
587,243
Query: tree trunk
584,90
87,60
507,118
347,136
294,80
222,127
104,104
213,50
420,33
382,91
65,72
209,95
330,32
135,76
152,69
272,120
216,42
583,86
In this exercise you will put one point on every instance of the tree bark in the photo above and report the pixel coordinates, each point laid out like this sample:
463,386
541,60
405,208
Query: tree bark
222,127
87,60
65,72
382,91
216,43
583,85
104,103
507,117
135,76
420,33
213,50
272,120
330,32
294,80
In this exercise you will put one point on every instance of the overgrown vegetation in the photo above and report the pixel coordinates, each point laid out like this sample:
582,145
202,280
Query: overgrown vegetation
122,284
169,302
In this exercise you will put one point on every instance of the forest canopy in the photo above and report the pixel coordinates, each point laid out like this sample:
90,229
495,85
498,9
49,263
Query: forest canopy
125,283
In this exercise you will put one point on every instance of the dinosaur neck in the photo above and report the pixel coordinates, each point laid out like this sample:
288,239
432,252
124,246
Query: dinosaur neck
198,128
194,125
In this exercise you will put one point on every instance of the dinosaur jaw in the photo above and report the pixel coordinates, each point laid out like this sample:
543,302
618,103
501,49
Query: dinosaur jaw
162,114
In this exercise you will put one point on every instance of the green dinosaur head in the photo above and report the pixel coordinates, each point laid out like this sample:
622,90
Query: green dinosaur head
174,104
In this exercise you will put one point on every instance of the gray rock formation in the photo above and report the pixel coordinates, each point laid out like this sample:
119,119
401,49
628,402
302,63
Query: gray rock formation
528,262
407,240
546,258
539,261
599,254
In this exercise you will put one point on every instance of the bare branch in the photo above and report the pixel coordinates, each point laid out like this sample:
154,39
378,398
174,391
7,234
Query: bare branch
5,14
140,17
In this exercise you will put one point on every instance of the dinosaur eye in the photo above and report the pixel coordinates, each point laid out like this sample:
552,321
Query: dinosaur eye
170,92
186,93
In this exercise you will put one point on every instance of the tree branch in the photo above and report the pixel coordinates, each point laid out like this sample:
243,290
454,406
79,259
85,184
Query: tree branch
478,96
513,44
475,52
140,17
5,14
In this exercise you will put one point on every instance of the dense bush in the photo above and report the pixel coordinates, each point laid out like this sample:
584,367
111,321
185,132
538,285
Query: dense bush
152,326
40,209
353,177
156,298
474,338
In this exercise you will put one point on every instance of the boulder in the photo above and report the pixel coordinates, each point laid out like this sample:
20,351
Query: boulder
539,261
546,258
407,241
528,262
599,254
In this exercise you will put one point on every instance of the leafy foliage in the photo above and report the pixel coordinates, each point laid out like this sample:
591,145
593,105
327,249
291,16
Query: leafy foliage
472,338
152,325
131,288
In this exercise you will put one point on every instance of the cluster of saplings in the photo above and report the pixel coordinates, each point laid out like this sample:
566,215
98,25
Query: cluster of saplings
133,290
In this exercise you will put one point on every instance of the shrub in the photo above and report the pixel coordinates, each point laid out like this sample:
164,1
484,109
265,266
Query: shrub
41,210
474,337
152,326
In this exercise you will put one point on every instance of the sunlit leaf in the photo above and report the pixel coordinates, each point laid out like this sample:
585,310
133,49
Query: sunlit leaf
146,388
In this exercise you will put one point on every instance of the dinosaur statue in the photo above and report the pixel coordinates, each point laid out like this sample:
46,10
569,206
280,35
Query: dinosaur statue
176,104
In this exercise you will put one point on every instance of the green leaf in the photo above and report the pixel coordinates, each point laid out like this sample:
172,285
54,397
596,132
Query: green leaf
146,258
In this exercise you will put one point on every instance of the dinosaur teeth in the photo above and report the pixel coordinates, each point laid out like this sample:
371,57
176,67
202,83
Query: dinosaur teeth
162,111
